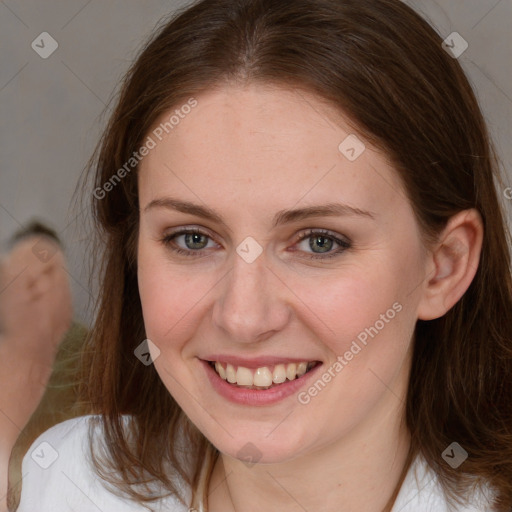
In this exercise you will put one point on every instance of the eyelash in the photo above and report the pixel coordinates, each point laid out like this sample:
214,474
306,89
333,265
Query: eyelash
344,244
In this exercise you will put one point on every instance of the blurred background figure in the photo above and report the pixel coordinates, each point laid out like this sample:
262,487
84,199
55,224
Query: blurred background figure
39,349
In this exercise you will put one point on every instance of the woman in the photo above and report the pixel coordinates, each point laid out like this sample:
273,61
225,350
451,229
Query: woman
306,283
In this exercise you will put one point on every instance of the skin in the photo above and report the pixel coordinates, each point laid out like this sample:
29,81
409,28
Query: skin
35,313
249,152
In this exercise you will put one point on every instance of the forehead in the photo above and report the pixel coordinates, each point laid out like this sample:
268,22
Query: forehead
248,145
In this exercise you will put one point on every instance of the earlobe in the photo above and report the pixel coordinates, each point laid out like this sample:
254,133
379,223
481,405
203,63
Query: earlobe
455,261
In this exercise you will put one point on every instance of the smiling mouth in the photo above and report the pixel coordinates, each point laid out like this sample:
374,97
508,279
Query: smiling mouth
265,377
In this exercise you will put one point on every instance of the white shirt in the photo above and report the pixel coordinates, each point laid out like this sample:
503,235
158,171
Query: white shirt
58,477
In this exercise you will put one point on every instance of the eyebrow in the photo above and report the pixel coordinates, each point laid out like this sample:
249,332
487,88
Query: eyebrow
280,218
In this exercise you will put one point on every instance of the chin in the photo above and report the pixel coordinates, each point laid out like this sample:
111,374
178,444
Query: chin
258,449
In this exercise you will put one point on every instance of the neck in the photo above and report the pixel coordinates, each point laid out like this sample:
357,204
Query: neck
363,471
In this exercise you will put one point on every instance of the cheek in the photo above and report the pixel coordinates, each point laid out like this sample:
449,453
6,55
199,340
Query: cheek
365,322
170,298
341,308
367,332
157,293
164,305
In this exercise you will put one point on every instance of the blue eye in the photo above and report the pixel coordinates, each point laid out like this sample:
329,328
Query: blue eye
324,241
194,238
196,241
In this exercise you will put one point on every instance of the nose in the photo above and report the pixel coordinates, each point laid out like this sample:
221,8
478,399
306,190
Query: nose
252,304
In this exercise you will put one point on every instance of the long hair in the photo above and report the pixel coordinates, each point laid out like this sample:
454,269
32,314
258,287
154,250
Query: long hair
381,65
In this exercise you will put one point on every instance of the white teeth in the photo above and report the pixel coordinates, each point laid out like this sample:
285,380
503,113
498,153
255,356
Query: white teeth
291,371
263,377
230,374
220,370
244,377
301,369
279,374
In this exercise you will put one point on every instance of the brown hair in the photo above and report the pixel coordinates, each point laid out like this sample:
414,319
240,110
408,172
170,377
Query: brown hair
383,66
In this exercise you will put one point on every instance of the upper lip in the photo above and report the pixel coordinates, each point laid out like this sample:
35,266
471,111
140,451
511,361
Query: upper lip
255,362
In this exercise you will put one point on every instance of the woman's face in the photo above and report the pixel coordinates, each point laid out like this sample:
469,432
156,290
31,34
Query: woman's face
271,278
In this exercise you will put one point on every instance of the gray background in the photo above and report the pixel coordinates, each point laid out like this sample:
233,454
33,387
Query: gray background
51,108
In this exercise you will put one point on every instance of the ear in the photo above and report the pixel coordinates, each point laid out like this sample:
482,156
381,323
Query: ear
452,264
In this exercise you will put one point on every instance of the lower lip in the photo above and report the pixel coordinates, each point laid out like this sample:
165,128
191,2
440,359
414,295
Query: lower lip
246,396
